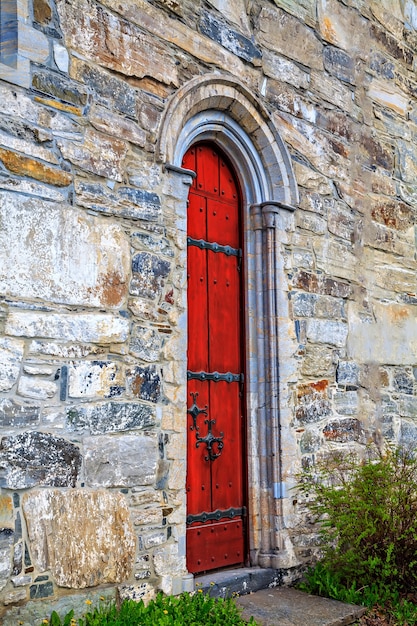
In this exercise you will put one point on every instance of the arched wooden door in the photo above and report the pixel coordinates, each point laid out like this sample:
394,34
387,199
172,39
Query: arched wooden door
215,431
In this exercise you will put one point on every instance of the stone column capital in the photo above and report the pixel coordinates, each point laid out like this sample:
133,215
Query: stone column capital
264,214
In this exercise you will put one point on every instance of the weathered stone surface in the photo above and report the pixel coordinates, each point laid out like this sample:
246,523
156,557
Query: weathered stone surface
36,388
122,461
108,90
6,545
114,43
312,402
327,331
234,11
141,591
168,555
11,354
318,361
22,165
153,244
403,381
35,458
59,87
17,137
99,154
342,26
61,57
88,379
71,351
313,305
15,596
240,45
98,328
110,417
344,430
277,31
283,70
126,201
144,383
88,266
100,550
149,273
347,373
14,414
339,64
345,402
117,125
310,442
6,511
145,343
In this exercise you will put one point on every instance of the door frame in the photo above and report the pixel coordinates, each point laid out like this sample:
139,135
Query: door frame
220,109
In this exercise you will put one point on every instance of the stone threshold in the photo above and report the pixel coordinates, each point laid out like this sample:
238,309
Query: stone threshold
238,581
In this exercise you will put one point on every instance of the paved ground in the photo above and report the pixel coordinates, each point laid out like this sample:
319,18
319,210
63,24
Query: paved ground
284,606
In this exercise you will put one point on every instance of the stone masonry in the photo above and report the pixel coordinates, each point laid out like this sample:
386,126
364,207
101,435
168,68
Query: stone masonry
93,269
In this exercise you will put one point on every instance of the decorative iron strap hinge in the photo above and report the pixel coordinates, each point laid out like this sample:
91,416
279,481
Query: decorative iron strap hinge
228,377
217,515
214,247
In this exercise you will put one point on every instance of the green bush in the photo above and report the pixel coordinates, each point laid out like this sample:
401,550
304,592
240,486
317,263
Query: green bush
184,610
367,513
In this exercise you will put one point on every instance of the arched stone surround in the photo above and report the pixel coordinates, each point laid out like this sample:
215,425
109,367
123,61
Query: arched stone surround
221,109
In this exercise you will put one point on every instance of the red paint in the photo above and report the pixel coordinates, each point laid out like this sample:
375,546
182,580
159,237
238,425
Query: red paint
214,344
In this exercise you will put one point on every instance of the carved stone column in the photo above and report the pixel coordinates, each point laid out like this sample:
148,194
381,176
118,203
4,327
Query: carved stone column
265,224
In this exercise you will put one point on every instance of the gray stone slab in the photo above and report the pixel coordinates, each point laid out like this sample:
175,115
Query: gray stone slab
285,606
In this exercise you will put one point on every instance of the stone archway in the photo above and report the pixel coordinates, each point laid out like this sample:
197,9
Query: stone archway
222,110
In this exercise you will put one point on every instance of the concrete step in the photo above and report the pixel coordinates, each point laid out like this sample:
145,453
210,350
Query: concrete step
285,606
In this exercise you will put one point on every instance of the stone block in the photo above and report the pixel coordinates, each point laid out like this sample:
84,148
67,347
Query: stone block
393,213
408,434
11,354
408,406
234,11
36,388
144,383
339,64
149,273
59,87
341,222
71,351
125,202
145,343
6,549
283,70
25,166
99,328
318,361
327,331
89,266
232,40
41,590
141,591
142,241
95,378
6,511
98,153
16,414
345,402
285,34
100,550
35,458
347,373
167,560
17,137
313,305
312,402
310,442
122,461
111,123
344,430
107,40
403,380
343,27
110,417
107,89
15,596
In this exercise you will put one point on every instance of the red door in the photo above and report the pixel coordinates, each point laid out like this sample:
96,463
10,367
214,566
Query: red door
215,484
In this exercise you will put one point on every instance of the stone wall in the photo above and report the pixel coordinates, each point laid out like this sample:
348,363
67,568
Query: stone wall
93,283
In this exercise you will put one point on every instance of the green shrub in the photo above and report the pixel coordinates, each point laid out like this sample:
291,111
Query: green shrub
367,513
184,610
